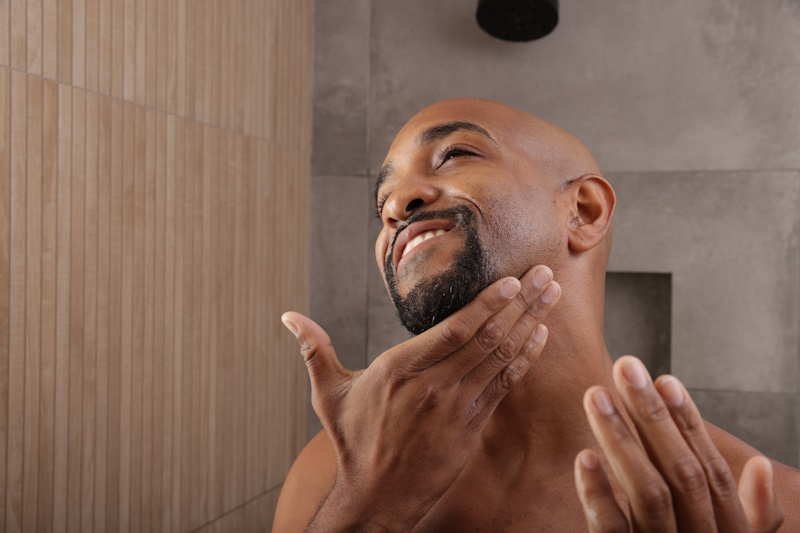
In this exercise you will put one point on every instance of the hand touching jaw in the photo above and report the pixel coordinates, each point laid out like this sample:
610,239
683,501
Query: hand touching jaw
439,275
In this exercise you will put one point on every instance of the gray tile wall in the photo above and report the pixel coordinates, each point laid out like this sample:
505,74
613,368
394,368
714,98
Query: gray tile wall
690,106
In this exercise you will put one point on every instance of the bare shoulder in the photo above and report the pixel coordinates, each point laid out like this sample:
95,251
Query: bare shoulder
308,483
786,480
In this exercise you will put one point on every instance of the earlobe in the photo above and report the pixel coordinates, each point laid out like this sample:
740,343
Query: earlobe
593,202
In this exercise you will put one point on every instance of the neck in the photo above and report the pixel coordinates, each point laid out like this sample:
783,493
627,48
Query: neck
541,424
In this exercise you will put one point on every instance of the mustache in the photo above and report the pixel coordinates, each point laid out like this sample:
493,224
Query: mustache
459,215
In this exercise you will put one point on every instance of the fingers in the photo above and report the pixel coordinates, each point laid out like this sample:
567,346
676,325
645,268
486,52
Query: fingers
719,479
667,447
599,505
505,380
764,512
435,344
649,495
514,325
324,367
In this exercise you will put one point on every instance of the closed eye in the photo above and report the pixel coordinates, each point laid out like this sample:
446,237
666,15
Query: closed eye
452,152
381,201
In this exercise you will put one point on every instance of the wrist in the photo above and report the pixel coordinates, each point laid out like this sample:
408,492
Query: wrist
352,507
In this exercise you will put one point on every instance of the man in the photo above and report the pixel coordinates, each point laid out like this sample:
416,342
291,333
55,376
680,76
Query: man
505,412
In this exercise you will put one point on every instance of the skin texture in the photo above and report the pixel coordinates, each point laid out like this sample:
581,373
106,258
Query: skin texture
490,420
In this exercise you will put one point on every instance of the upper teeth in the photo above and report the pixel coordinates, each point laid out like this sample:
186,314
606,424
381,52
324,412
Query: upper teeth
422,237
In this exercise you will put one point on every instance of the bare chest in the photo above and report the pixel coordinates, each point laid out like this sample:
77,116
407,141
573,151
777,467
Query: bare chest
474,506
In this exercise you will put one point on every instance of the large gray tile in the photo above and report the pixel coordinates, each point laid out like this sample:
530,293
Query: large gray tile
766,421
677,85
638,318
338,272
730,240
341,78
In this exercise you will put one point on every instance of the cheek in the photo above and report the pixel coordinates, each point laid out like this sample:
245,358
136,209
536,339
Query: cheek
381,244
523,232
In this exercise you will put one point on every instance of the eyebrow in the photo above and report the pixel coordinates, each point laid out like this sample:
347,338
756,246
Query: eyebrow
429,136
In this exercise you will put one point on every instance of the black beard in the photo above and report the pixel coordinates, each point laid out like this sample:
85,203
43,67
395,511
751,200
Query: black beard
432,300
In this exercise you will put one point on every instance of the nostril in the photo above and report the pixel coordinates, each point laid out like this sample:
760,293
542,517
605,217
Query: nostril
413,205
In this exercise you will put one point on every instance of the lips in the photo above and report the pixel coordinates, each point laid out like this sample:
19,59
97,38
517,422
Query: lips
415,234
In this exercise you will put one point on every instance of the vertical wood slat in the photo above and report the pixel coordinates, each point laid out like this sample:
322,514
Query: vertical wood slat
150,33
92,44
33,299
128,14
18,34
79,43
63,326
149,296
138,319
104,158
162,55
90,315
146,396
105,44
49,300
159,353
115,307
179,143
34,20
5,34
49,39
76,312
5,270
119,67
65,41
164,499
126,340
16,361
140,59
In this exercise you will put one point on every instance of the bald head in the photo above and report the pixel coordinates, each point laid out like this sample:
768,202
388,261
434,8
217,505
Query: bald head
559,153
512,189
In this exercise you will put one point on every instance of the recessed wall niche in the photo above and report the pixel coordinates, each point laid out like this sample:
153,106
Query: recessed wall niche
638,317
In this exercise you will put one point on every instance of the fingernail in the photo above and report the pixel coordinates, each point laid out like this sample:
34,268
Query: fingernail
510,288
589,461
541,278
540,333
671,391
603,403
635,374
549,294
290,326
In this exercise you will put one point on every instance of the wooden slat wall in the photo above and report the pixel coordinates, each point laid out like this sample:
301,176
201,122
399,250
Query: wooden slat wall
154,184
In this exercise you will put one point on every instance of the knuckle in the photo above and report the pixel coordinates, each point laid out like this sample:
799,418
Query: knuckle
509,377
490,335
720,478
455,331
609,522
529,294
656,499
655,411
430,398
396,376
691,478
507,350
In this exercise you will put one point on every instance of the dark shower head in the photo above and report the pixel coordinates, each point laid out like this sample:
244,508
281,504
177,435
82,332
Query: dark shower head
517,20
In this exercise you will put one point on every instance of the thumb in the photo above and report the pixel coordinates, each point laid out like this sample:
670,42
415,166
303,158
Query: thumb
756,492
324,367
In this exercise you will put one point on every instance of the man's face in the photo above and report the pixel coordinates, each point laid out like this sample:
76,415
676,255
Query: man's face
462,205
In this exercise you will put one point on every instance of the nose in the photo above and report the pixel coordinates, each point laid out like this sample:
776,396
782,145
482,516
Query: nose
409,196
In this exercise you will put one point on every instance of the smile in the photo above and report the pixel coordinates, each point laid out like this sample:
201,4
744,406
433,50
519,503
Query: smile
416,235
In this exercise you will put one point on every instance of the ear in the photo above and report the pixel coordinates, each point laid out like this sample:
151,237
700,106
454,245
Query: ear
593,201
